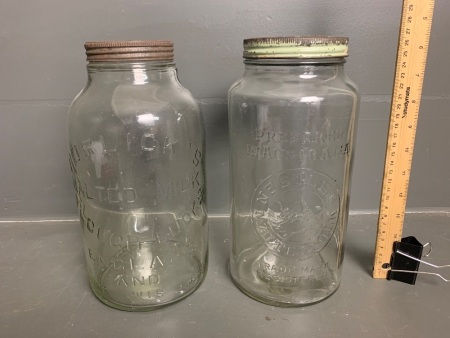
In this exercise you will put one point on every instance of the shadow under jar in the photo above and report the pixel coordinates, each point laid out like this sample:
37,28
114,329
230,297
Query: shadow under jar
137,150
292,126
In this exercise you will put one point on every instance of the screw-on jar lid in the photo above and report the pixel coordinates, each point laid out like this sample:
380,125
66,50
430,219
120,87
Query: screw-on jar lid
137,50
296,47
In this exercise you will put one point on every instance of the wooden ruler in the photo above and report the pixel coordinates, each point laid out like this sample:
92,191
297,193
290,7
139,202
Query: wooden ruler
409,73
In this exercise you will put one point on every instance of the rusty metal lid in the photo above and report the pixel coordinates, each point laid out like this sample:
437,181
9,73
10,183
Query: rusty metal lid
135,50
296,47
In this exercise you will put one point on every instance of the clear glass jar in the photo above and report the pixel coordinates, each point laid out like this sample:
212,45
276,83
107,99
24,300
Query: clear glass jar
292,124
137,156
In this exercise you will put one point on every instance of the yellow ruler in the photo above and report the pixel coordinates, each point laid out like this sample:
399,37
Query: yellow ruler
411,59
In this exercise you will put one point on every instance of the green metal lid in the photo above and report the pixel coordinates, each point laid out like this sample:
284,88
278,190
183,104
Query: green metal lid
307,47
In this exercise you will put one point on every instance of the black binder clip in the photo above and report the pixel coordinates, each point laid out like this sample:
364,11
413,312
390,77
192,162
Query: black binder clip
400,263
405,261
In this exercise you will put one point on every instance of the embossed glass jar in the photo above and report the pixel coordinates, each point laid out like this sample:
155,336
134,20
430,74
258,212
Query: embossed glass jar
137,156
292,124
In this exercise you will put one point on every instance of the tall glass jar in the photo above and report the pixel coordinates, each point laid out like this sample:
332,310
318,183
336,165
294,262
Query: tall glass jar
292,124
137,156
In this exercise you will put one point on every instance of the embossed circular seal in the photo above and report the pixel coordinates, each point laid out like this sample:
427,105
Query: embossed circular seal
295,212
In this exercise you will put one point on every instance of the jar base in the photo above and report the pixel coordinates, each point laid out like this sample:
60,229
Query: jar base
305,298
146,307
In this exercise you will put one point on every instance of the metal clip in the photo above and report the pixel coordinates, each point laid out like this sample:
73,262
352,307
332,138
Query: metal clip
405,260
424,262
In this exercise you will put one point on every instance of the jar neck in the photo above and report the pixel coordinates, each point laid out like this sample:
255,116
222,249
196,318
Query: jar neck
137,72
304,68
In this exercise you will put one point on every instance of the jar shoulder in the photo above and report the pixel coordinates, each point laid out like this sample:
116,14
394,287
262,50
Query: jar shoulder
123,109
135,100
293,86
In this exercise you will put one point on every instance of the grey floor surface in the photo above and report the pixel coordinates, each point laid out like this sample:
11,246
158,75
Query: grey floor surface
44,292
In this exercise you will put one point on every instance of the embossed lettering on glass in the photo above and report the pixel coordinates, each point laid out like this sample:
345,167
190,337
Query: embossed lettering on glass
137,156
292,125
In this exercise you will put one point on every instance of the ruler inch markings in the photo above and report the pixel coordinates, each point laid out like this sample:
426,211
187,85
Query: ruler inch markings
412,51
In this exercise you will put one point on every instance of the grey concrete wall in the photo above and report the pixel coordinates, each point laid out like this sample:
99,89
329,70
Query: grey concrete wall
42,68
